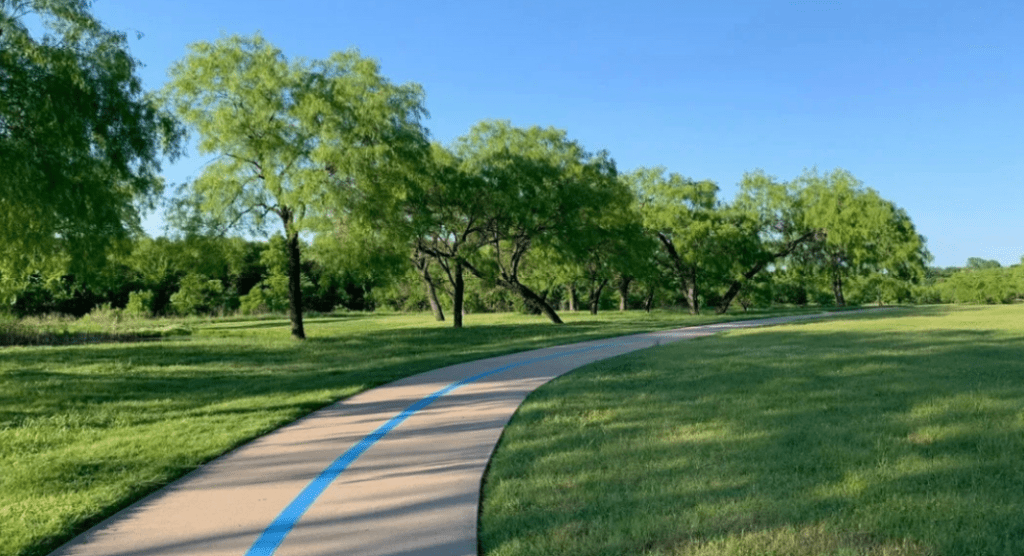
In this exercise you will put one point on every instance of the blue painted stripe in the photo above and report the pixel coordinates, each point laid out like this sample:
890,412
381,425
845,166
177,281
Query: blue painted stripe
274,534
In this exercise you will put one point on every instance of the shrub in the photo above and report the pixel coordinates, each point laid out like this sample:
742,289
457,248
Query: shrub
197,295
140,304
105,315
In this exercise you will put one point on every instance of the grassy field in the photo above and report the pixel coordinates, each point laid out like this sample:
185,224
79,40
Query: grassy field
900,433
97,327
86,429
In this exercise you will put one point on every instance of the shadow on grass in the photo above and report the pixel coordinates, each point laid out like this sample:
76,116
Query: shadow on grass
210,384
80,338
222,369
882,436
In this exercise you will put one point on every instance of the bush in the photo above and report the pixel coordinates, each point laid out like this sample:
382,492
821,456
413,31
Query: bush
140,304
104,315
268,296
197,295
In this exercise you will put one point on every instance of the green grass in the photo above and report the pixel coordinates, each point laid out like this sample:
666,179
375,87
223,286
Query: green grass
87,429
899,433
97,327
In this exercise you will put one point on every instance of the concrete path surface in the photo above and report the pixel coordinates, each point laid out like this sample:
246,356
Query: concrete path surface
392,471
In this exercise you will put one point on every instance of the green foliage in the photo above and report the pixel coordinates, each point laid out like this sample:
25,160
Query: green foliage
976,263
862,234
446,222
39,296
537,188
140,304
270,295
197,294
104,314
404,294
686,219
80,143
759,291
300,140
159,265
982,284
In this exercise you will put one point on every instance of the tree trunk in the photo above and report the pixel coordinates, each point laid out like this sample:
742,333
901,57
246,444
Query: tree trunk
532,300
595,295
735,287
423,265
624,293
649,300
572,296
690,293
837,289
458,294
687,274
294,281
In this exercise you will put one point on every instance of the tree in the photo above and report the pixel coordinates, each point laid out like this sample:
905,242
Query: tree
300,140
977,263
360,258
197,294
422,262
611,249
539,188
861,233
447,211
80,142
682,214
767,225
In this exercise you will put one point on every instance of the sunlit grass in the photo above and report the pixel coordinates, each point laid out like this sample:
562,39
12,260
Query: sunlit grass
90,329
884,434
86,429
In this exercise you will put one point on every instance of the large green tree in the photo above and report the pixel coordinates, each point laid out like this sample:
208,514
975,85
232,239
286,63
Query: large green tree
299,140
538,188
683,215
448,212
610,251
80,141
861,234
767,224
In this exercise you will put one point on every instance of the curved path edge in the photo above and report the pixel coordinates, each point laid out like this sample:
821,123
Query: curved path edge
395,470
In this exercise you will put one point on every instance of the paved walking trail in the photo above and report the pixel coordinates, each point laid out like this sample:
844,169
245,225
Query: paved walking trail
392,471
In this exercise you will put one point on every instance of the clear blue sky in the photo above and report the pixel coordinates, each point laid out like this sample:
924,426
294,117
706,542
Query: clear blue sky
922,101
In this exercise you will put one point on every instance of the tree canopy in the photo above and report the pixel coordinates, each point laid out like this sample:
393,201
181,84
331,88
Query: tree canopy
682,214
333,155
80,141
861,233
539,188
300,140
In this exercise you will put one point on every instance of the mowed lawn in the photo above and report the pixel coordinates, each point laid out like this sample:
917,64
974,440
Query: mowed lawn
86,429
894,433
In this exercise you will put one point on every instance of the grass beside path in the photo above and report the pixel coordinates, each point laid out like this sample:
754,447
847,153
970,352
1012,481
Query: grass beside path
898,433
87,429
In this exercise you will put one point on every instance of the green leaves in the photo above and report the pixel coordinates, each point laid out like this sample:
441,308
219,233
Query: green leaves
80,144
685,217
312,142
862,234
536,181
302,137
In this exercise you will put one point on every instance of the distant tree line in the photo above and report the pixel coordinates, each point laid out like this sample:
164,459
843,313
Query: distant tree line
980,282
329,160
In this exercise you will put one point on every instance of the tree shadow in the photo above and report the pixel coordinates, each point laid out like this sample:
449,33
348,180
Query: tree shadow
899,435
